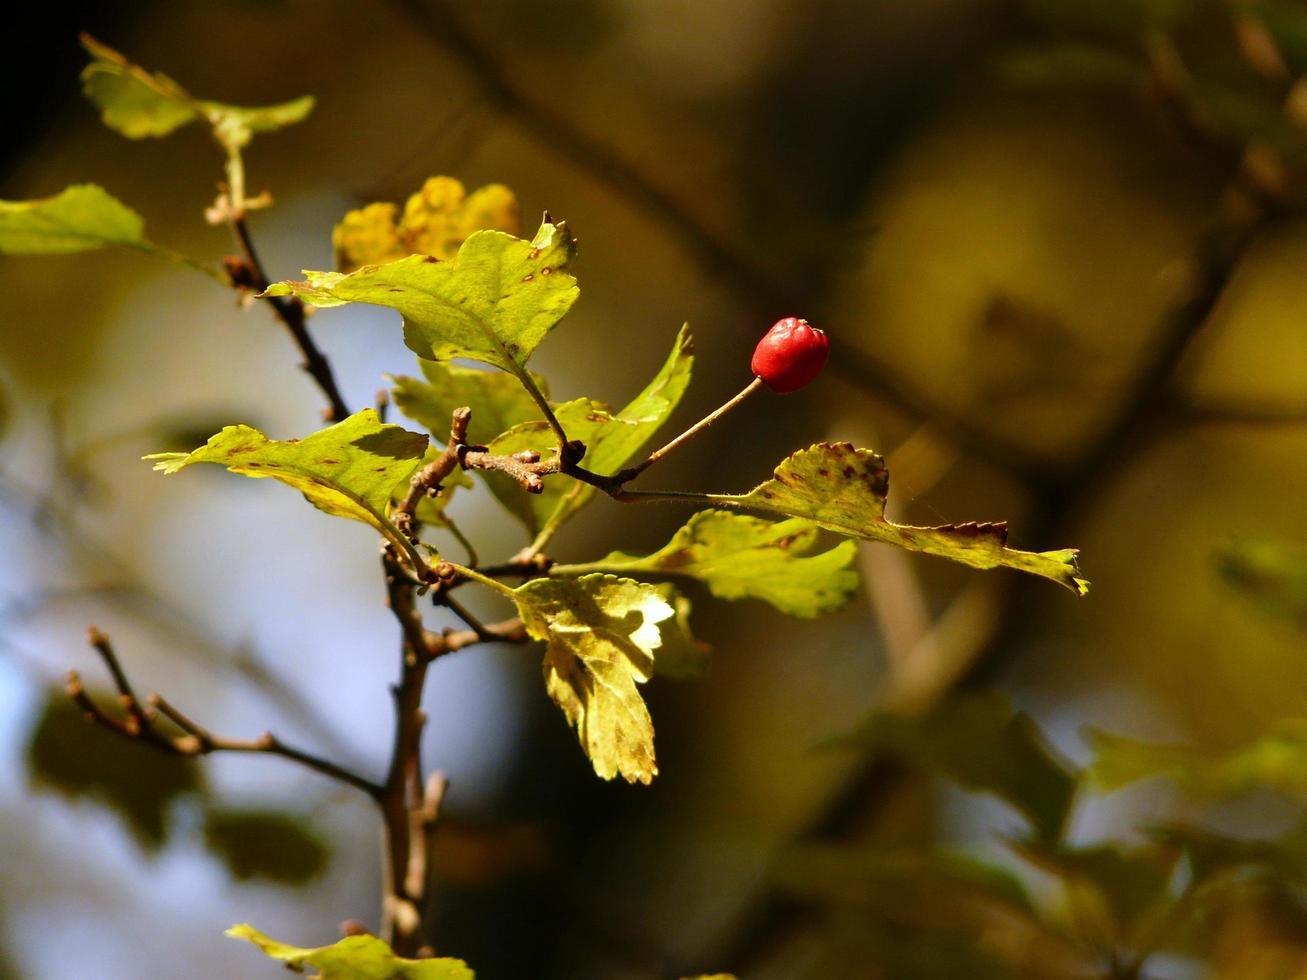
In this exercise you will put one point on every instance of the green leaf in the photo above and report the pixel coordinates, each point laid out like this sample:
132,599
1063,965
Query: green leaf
494,303
139,103
601,632
1277,760
68,754
681,656
742,557
355,958
80,218
348,470
582,419
611,439
278,847
498,401
979,741
133,101
844,489
234,126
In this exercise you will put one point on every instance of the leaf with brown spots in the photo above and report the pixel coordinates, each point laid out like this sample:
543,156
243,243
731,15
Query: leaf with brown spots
844,489
348,470
494,302
602,633
743,557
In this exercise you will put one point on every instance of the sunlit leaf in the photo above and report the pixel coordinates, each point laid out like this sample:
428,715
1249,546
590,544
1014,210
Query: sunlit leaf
742,557
844,489
78,219
611,439
979,741
494,302
68,754
436,221
498,401
348,470
267,844
139,103
355,958
601,632
583,419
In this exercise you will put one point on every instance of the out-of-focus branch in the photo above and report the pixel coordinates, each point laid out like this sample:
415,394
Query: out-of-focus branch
1195,412
757,288
140,724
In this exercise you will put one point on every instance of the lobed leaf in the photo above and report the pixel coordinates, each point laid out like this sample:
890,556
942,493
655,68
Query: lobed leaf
67,754
611,439
138,103
436,221
355,958
494,303
844,489
742,557
80,218
601,633
348,470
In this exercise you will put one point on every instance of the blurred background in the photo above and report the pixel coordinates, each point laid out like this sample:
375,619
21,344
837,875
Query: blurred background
1060,252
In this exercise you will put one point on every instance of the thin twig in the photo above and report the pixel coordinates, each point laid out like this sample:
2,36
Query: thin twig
690,433
290,311
197,740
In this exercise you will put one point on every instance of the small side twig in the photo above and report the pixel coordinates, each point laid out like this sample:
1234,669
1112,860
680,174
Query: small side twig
196,740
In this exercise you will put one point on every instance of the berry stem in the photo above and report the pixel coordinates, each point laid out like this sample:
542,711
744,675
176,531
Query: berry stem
690,433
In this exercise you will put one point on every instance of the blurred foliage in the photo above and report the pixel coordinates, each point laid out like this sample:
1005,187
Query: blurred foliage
980,742
68,754
355,958
1273,575
279,847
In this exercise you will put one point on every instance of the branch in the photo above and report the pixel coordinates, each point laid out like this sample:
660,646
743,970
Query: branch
197,740
408,808
290,311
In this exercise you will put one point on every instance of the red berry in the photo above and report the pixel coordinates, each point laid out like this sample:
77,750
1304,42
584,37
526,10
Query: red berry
790,355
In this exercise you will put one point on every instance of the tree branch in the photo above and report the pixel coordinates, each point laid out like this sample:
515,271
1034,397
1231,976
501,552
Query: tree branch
196,740
290,311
